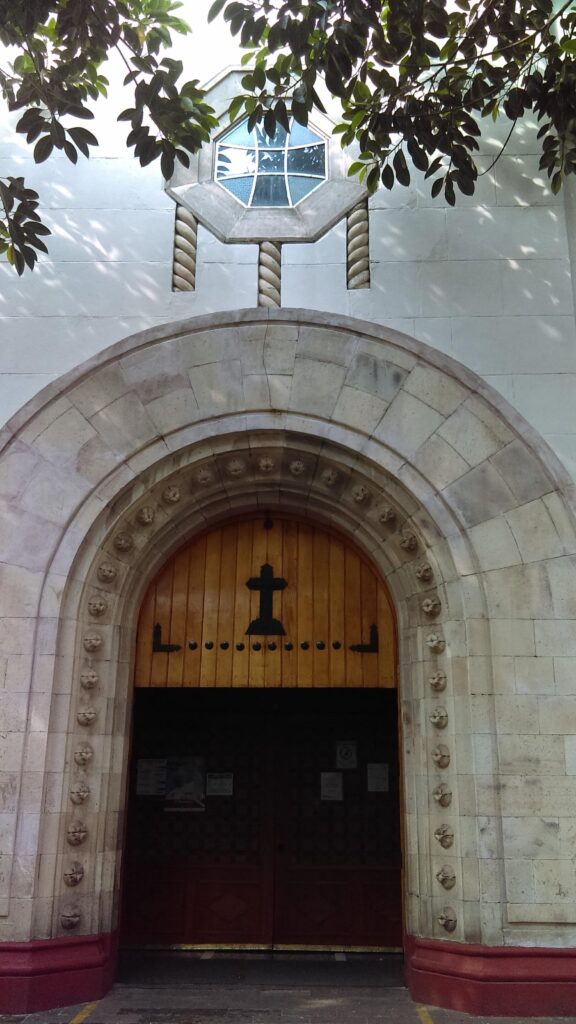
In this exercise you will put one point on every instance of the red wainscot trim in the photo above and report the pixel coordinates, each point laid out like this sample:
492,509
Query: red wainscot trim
56,972
498,981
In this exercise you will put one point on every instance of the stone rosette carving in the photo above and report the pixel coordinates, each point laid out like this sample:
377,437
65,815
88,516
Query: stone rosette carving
437,681
424,572
441,756
73,874
447,919
446,876
431,607
439,718
87,715
92,642
123,541
297,467
204,476
89,679
83,755
444,835
146,515
76,833
171,495
106,572
359,493
79,792
409,541
97,606
329,476
443,795
70,918
236,467
266,464
435,643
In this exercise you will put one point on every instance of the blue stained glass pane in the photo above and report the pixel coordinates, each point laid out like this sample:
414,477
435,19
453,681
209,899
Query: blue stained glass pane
300,136
239,187
308,160
235,162
264,142
270,191
301,187
239,136
271,160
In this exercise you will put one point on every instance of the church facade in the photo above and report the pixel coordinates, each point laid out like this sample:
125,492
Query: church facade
288,593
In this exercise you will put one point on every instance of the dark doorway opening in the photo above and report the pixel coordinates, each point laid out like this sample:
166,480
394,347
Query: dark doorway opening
264,819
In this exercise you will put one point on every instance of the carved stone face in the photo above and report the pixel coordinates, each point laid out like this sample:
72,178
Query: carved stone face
89,679
76,833
329,476
204,476
360,493
409,541
435,642
446,876
431,607
437,681
424,572
443,795
447,919
445,836
123,542
439,718
86,716
171,494
70,918
83,754
297,467
74,874
441,756
97,606
236,467
79,792
387,515
92,642
266,464
107,572
146,515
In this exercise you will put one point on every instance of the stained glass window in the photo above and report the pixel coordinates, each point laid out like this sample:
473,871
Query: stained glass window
276,172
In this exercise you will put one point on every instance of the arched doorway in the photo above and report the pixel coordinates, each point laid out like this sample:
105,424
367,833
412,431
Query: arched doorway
264,790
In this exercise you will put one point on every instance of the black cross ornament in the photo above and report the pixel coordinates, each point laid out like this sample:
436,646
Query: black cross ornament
266,583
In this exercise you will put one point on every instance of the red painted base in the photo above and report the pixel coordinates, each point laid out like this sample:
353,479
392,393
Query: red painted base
496,981
55,972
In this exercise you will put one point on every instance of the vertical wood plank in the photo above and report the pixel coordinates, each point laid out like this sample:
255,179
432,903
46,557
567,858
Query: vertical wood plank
211,601
352,606
196,552
290,603
162,609
256,675
178,617
337,614
369,616
241,659
273,659
225,627
305,607
321,608
143,663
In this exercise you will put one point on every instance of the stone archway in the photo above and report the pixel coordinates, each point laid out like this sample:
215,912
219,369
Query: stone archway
463,509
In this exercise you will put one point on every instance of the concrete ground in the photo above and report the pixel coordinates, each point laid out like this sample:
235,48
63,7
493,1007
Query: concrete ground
180,988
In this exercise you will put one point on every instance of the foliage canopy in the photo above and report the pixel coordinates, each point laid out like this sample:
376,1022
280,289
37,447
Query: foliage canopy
414,78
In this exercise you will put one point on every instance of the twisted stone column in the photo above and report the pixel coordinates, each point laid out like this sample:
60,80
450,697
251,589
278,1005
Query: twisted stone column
269,274
185,246
358,256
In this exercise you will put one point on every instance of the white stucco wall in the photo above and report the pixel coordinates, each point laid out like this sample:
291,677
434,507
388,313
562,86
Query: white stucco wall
488,282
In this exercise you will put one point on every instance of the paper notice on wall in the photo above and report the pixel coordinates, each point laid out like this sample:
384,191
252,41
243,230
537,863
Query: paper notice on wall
219,784
331,786
185,784
346,754
378,778
151,776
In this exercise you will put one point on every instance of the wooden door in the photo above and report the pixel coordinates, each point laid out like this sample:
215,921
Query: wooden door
274,860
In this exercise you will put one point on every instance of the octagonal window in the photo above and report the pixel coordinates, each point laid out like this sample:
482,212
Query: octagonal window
276,172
